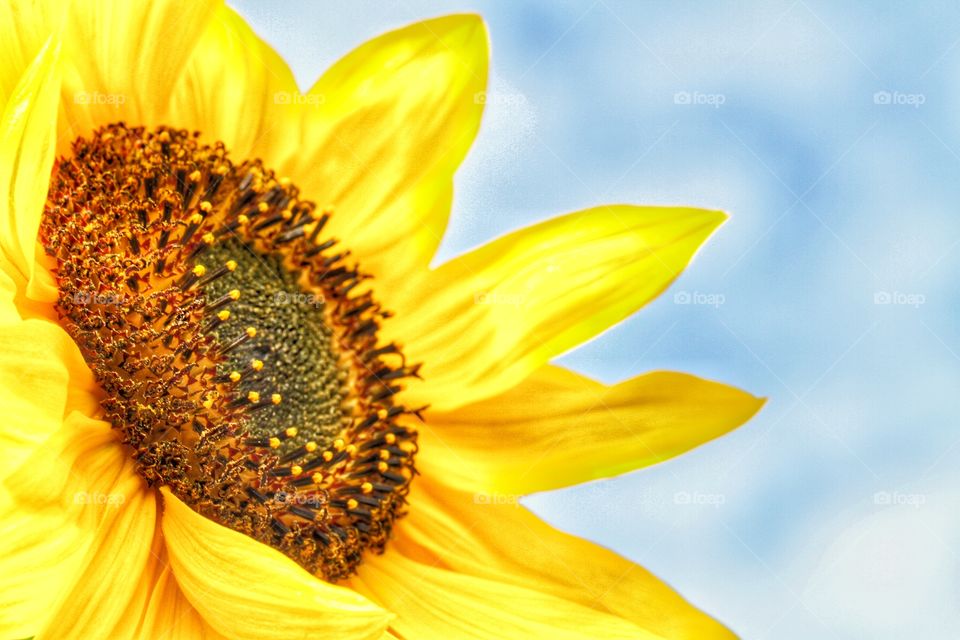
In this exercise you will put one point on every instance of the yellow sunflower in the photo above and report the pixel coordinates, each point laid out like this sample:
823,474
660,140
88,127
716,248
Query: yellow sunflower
232,412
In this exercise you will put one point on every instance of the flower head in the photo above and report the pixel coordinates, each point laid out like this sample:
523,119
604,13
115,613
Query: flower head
237,412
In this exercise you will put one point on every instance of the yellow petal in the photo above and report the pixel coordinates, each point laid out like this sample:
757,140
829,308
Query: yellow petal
165,612
28,137
384,130
109,597
435,603
43,378
486,320
235,88
170,615
558,428
23,31
67,500
245,589
125,59
500,540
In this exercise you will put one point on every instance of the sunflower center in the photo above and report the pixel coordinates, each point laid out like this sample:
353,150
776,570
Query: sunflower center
236,348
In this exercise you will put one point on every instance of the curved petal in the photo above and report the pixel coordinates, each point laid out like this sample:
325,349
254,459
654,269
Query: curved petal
435,603
124,60
65,502
170,615
115,575
245,589
28,136
558,428
484,321
235,88
166,613
384,130
24,28
502,541
43,378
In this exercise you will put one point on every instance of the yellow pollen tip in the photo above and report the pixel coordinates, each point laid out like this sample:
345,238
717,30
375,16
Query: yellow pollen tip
207,402
274,443
382,414
284,181
310,447
286,214
352,504
221,170
256,365
253,396
205,206
195,176
317,478
291,432
275,398
231,265
196,218
263,207
252,332
338,444
366,487
296,469
382,466
234,376
199,270
328,455
390,438
208,238
88,227
352,449
234,294
223,315
384,454
243,219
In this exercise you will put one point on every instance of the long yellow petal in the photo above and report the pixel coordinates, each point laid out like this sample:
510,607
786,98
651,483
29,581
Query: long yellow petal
434,603
245,589
125,59
558,428
384,130
497,539
484,321
236,89
59,513
43,378
115,575
28,137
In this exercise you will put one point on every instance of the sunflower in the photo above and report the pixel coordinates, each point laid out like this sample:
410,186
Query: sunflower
238,400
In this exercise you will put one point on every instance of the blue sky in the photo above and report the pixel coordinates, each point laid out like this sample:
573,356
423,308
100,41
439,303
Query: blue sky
830,133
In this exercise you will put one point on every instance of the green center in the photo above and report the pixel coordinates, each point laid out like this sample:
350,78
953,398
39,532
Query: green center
292,341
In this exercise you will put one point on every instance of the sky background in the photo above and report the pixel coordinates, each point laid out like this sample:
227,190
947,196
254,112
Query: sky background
831,134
